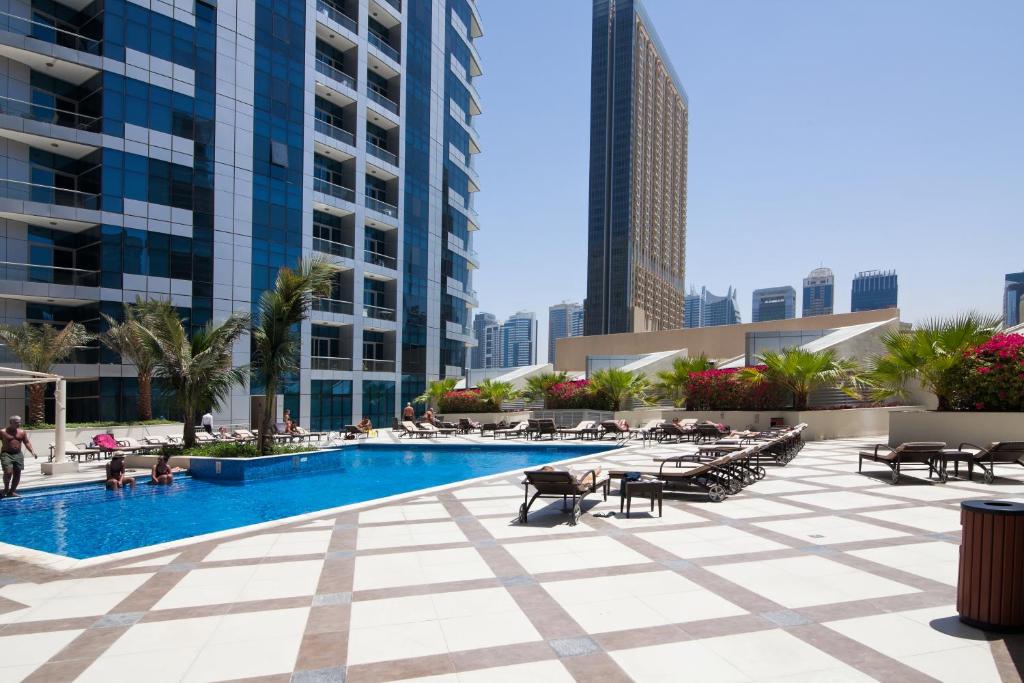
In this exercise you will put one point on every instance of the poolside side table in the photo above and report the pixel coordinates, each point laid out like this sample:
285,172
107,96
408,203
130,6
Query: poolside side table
957,456
653,489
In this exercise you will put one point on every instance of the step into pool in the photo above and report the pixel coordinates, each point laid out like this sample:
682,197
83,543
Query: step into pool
85,521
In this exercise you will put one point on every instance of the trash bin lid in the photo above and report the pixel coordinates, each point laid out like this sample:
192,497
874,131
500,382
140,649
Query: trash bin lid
993,507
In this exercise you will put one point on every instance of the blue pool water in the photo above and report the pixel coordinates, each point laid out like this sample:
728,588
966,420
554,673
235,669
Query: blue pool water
85,521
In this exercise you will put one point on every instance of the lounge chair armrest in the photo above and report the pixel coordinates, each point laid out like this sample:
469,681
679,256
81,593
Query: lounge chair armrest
885,446
974,446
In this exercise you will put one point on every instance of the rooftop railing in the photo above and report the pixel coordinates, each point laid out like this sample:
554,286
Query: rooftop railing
331,363
52,275
325,246
47,194
326,305
333,131
337,15
49,33
381,207
379,259
382,45
331,71
378,312
45,114
382,100
339,191
382,153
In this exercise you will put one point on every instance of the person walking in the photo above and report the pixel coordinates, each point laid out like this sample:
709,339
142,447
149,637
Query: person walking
208,422
408,413
11,458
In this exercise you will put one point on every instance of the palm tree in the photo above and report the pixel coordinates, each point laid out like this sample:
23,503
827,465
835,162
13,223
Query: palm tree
198,372
497,392
436,391
127,339
619,386
928,354
672,383
276,339
39,348
802,372
538,386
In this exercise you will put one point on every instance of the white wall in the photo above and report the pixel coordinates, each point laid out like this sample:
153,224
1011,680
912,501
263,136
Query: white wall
955,427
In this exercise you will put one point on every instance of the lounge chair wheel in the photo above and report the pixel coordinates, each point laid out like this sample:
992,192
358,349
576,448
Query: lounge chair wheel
760,472
895,476
734,487
989,477
577,512
522,513
716,494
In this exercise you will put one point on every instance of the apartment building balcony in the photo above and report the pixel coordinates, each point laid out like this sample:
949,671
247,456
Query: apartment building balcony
336,12
48,194
460,333
380,259
57,285
51,275
458,246
463,164
44,127
381,207
70,53
379,351
378,365
332,248
463,77
382,154
458,202
474,56
460,291
322,304
380,44
333,78
383,102
386,11
463,120
332,363
476,27
379,313
334,190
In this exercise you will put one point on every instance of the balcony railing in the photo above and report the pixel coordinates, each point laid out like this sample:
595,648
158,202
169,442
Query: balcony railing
331,363
39,112
378,312
51,275
382,100
337,15
381,207
333,131
333,248
325,305
47,194
331,71
382,153
397,4
339,191
381,45
378,365
49,33
379,259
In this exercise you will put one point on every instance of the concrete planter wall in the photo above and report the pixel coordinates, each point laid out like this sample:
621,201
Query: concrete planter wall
955,427
483,418
571,418
821,424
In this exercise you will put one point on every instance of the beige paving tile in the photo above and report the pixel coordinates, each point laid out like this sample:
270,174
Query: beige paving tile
404,513
829,530
406,535
538,557
244,583
709,541
272,545
937,561
23,654
551,671
926,517
419,567
841,500
69,598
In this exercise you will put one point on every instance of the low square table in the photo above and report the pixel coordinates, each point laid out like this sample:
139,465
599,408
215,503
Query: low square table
653,489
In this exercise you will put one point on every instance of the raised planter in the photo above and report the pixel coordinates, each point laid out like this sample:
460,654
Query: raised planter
954,427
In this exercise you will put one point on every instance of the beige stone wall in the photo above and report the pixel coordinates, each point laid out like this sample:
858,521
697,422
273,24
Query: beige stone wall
727,341
954,427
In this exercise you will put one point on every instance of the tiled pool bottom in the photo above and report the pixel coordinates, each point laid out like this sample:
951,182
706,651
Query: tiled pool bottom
86,521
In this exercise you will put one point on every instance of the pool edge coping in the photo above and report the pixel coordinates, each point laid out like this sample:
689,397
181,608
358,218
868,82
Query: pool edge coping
62,564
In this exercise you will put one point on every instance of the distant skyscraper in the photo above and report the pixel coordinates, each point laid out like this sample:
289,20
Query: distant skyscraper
636,250
564,320
773,303
819,292
1013,299
519,340
873,290
709,310
487,331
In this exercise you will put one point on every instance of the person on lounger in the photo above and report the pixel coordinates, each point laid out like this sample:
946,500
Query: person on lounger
162,473
365,425
116,477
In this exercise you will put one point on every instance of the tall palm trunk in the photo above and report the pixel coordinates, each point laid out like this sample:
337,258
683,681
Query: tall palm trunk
145,396
188,434
36,405
267,422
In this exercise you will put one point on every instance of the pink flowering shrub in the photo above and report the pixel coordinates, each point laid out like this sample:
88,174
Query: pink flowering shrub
990,376
465,401
724,389
577,394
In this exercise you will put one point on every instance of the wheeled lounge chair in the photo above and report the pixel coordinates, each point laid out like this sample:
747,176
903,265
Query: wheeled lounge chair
617,431
552,483
1003,452
538,429
518,430
413,429
576,432
927,453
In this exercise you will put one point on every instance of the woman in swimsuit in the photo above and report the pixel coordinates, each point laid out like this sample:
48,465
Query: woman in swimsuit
162,471
116,474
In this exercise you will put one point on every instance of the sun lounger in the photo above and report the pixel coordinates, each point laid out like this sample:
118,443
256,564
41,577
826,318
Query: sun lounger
538,429
577,431
648,431
1002,452
466,425
617,431
710,477
519,430
709,431
413,429
428,428
243,435
554,483
927,453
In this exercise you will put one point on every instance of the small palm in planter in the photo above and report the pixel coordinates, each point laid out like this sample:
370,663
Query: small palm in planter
803,372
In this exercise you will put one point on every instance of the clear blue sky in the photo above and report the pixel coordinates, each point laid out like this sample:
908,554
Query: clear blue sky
855,134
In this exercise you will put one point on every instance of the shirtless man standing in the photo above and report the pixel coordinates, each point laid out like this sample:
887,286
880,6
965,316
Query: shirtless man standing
11,457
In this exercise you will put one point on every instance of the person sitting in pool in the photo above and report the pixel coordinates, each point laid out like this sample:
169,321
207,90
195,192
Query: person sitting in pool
162,473
364,425
116,477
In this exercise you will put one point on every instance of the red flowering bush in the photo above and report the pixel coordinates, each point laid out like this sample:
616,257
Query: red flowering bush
465,401
991,376
724,389
577,394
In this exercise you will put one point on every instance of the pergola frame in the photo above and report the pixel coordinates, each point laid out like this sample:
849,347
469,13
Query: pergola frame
14,377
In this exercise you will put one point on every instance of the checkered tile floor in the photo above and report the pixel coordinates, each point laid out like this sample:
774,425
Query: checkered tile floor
816,573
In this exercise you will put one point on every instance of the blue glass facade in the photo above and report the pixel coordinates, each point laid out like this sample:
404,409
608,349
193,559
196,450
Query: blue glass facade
819,292
873,290
1013,299
773,303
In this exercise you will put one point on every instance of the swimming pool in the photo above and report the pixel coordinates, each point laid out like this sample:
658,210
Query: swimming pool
85,521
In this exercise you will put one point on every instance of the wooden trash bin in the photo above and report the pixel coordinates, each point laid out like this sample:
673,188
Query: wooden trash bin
990,589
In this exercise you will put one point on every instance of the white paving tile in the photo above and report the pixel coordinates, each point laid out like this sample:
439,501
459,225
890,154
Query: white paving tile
937,561
828,530
844,480
394,628
841,500
272,545
23,654
928,518
927,492
749,508
551,671
155,562
615,603
405,535
762,655
931,640
419,567
404,513
538,557
641,516
503,490
709,541
245,583
808,580
771,486
69,598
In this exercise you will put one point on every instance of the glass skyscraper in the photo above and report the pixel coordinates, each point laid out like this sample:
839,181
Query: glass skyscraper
773,303
709,310
819,292
189,150
564,320
1013,299
487,331
519,340
873,290
636,251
